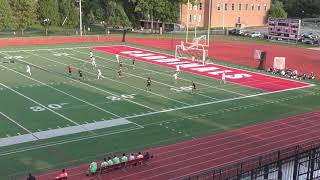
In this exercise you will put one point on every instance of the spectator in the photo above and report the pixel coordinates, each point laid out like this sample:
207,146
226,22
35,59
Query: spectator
62,175
140,156
31,177
312,76
131,157
93,168
110,162
124,158
116,160
147,156
104,163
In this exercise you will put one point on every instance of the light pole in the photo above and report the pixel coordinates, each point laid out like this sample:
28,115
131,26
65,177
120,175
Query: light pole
80,15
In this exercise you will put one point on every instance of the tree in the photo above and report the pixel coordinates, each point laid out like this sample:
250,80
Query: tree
277,11
117,17
48,13
158,10
94,10
67,9
6,16
24,13
301,8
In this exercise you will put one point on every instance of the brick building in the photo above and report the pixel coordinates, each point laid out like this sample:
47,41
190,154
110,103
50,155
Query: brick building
226,13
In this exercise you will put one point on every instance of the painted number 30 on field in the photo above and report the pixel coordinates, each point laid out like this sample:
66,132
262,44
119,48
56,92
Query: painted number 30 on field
50,106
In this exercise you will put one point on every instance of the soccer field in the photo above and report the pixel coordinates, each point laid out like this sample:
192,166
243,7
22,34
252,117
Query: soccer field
52,120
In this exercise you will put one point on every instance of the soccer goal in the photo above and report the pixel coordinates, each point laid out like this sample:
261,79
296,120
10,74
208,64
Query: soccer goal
197,35
192,51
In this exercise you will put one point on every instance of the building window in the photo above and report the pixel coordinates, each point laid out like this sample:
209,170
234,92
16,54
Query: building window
232,6
195,18
200,6
190,6
190,18
265,7
195,7
246,7
218,6
252,7
199,18
240,7
226,7
259,7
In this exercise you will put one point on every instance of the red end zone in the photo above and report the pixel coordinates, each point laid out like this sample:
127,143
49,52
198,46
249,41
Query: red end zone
246,78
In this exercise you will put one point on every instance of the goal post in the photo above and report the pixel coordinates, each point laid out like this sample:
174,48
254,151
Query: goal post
191,52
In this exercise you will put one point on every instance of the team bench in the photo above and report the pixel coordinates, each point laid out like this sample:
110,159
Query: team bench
123,165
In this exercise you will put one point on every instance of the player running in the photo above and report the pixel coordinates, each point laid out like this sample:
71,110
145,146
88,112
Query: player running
133,63
120,65
100,74
175,76
80,74
118,58
177,68
149,84
91,54
120,73
28,70
194,88
223,77
69,69
93,62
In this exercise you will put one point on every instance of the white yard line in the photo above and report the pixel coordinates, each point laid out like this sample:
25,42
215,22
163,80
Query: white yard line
16,123
130,117
36,102
105,91
130,85
169,75
86,102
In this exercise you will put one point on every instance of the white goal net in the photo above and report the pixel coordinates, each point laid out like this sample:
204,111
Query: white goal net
192,51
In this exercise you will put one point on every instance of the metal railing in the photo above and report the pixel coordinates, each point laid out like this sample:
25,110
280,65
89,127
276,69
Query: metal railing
301,160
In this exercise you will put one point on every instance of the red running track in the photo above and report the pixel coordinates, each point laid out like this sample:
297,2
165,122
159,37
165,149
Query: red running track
189,157
304,60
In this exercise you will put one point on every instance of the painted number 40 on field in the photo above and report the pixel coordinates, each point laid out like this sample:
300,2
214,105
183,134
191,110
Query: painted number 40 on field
50,106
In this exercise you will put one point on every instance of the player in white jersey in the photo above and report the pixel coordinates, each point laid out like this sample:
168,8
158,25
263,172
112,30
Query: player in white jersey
175,76
91,54
223,77
28,70
100,74
93,61
118,58
178,68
